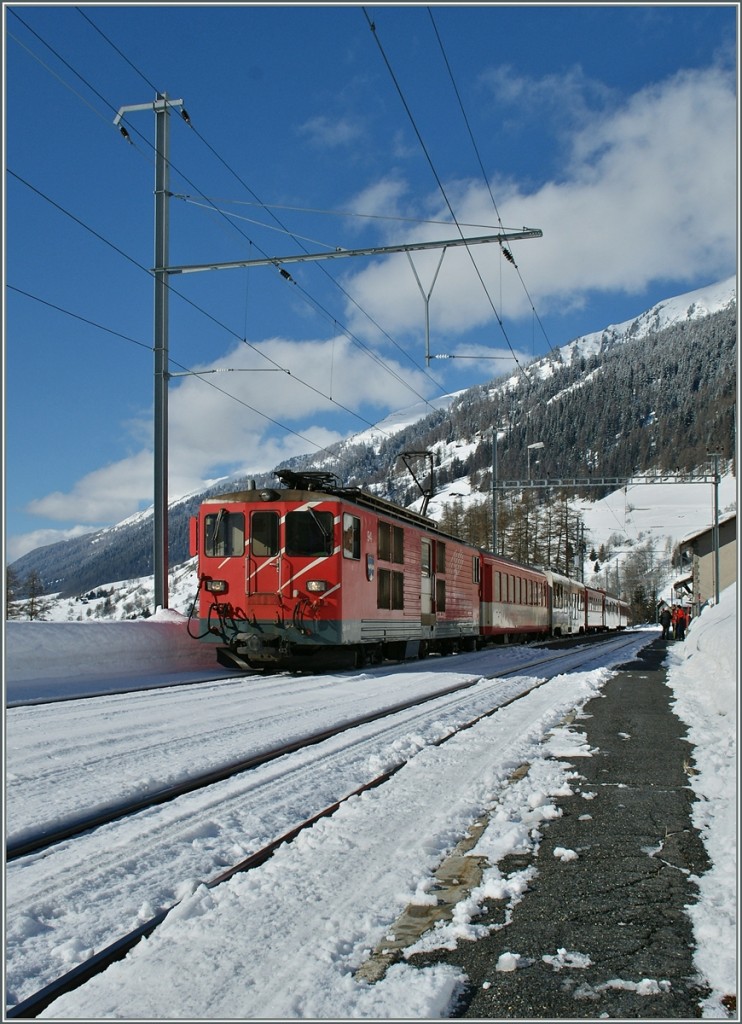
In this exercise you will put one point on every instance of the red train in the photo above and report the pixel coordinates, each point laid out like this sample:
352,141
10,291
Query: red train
315,575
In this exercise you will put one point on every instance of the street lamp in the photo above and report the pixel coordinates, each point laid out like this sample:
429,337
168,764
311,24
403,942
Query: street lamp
536,444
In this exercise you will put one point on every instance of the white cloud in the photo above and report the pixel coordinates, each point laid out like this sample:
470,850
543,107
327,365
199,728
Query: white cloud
330,131
103,496
649,193
24,542
218,423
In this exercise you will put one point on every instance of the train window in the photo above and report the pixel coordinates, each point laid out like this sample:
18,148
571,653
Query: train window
383,588
390,589
397,590
440,556
224,534
309,533
351,536
391,543
398,545
425,559
264,534
440,595
385,541
475,569
498,592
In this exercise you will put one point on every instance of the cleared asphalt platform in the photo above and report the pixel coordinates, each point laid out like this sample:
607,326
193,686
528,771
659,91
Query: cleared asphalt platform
612,921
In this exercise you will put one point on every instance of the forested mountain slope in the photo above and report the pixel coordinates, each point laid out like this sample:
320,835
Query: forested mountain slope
630,404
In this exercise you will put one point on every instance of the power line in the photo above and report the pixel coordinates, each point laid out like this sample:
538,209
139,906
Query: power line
291,234
345,213
77,316
305,296
324,271
204,312
484,173
372,26
188,370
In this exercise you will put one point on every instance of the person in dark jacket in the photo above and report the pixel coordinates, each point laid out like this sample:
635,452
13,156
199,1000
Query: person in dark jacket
665,622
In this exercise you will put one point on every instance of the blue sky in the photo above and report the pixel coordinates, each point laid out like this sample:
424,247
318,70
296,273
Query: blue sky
612,129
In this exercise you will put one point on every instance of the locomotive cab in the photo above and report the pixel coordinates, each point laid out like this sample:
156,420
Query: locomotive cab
316,575
268,575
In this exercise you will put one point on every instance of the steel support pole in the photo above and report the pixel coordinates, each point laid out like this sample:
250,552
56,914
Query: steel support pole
494,490
160,553
716,525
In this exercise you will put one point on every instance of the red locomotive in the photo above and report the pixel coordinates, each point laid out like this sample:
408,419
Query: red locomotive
315,575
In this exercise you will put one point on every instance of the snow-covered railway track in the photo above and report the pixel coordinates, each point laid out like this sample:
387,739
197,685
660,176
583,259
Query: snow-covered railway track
106,815
33,839
202,836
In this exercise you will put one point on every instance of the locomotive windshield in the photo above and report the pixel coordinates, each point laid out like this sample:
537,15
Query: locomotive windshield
264,534
224,534
309,533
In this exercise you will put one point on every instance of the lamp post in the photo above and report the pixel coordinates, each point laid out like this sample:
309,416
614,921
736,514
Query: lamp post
532,447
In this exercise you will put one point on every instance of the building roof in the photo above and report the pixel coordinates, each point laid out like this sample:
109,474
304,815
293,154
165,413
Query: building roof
707,529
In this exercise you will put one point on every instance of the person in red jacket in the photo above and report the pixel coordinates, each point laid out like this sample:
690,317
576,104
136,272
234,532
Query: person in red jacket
680,623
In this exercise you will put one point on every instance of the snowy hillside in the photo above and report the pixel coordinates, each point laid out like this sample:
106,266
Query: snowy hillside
660,514
456,429
682,308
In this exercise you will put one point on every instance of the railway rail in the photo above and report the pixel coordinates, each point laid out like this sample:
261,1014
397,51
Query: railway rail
45,837
492,701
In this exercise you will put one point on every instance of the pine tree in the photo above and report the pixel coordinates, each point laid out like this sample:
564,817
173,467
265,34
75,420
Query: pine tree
11,593
35,607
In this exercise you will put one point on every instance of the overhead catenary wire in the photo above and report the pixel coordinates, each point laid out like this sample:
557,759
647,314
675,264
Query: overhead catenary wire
329,276
507,253
305,295
426,153
286,230
174,291
146,270
187,370
344,213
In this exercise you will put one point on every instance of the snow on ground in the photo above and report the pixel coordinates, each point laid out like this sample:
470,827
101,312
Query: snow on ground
88,658
295,935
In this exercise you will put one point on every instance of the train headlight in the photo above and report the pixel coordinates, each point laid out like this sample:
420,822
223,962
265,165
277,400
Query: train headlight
217,586
269,495
317,586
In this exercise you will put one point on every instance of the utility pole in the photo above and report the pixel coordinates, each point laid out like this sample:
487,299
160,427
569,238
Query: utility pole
161,337
162,271
162,224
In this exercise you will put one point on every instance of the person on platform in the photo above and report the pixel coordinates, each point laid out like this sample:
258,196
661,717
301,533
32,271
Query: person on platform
665,622
680,623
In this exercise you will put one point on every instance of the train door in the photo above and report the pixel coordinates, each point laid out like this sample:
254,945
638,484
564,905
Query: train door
263,562
427,609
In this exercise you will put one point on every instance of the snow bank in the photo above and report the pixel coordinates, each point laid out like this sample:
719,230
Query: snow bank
48,660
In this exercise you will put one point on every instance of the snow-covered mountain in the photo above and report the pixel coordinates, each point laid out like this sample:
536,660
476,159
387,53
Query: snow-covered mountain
680,309
122,552
685,308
